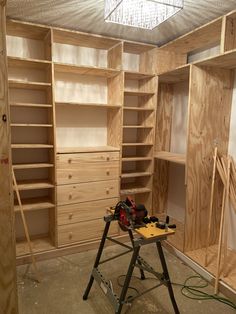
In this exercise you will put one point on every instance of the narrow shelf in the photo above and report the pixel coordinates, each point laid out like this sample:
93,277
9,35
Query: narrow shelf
85,70
32,166
168,156
31,146
136,158
92,105
137,48
138,109
138,93
21,104
129,75
177,75
135,174
132,188
28,85
137,144
38,245
68,150
34,185
27,63
31,125
137,127
226,60
32,204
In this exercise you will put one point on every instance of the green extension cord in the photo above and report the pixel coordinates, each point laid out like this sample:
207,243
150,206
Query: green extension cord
193,290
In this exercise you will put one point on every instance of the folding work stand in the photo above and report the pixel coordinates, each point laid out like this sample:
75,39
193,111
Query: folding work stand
148,234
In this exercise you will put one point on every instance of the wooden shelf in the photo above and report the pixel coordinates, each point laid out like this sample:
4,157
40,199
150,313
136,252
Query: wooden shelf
87,105
34,185
31,125
28,85
138,109
136,158
137,127
172,157
226,60
137,144
28,63
178,75
38,245
21,104
137,75
137,47
135,174
198,256
26,30
132,188
85,70
138,93
32,166
69,150
35,204
31,146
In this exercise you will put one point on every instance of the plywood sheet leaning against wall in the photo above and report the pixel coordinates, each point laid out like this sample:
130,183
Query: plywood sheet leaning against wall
8,294
210,107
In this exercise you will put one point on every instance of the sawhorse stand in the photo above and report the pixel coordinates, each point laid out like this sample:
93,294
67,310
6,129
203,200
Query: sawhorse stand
149,234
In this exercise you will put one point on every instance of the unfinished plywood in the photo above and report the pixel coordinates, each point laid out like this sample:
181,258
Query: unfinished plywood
169,60
8,285
210,93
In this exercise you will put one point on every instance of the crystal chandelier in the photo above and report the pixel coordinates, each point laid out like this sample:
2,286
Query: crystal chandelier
141,13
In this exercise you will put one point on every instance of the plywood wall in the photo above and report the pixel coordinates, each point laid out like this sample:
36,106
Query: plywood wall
8,293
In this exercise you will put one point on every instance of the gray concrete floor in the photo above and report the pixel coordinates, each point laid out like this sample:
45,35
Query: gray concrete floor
64,280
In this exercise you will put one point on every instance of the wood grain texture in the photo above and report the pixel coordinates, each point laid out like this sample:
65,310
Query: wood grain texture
114,57
163,133
210,107
230,34
8,287
169,60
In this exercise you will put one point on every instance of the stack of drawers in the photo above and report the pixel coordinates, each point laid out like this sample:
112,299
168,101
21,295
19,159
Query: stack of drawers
87,185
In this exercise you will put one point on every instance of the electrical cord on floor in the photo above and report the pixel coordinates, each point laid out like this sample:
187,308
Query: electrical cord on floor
189,290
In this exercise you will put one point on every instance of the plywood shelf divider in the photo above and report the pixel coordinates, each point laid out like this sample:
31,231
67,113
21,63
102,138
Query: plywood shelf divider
172,157
68,150
20,146
28,63
39,244
137,75
131,189
32,166
137,144
137,109
136,158
135,174
224,60
137,127
29,105
87,105
32,204
177,75
34,185
138,93
20,84
31,125
85,70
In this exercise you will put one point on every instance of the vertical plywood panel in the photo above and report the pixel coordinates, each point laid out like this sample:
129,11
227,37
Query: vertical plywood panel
210,106
169,60
230,34
8,294
163,133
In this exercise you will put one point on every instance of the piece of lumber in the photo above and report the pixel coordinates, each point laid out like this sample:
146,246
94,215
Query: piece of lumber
26,230
211,203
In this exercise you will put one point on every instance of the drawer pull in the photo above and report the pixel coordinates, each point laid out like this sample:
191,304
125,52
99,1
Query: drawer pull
70,196
108,158
70,176
107,190
69,161
70,215
108,172
70,235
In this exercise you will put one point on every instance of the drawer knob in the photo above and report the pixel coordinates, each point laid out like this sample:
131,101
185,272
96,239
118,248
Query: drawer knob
70,176
107,190
70,196
69,161
70,215
108,172
70,235
108,158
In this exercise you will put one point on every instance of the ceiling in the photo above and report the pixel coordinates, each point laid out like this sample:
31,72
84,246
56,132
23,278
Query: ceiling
87,16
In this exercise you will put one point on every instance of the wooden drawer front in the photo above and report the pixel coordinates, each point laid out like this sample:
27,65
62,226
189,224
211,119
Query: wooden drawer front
87,171
84,231
72,160
83,192
84,211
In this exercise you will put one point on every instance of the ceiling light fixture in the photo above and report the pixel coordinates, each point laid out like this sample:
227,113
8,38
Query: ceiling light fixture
141,13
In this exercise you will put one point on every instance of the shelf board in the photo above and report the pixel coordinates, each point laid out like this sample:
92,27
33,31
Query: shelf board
32,166
135,174
31,146
34,185
21,104
38,245
32,204
28,85
69,150
136,158
177,75
87,105
31,125
27,63
172,157
138,93
137,144
137,127
137,75
138,109
85,70
132,188
137,47
226,60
